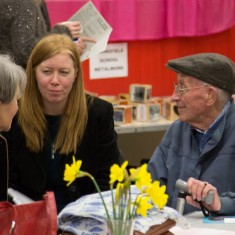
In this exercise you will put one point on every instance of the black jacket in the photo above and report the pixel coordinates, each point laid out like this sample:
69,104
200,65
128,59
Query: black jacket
22,24
3,169
98,151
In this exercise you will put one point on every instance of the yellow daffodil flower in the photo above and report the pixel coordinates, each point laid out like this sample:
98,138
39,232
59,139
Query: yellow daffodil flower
122,203
143,205
73,171
157,194
119,192
117,172
141,177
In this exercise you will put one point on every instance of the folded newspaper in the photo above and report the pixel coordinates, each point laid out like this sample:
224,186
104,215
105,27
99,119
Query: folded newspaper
93,26
17,197
87,216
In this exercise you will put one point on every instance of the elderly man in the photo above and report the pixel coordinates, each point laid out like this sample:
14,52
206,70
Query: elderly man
201,143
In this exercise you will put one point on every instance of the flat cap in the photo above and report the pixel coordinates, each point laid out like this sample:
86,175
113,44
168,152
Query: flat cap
212,68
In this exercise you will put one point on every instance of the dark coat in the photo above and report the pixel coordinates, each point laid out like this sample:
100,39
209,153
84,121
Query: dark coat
178,157
98,151
22,24
3,169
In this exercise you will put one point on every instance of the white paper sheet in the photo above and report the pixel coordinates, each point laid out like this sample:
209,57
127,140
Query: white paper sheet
94,26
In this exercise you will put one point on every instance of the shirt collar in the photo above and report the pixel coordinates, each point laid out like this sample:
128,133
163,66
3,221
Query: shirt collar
216,121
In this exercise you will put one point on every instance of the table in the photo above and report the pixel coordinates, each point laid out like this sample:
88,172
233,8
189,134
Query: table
200,228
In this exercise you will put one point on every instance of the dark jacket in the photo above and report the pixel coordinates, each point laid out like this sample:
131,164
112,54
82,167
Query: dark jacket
98,151
22,24
3,169
178,157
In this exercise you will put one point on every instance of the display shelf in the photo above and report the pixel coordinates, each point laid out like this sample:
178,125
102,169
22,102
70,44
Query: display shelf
138,127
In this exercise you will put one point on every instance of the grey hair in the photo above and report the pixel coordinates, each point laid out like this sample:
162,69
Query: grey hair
223,96
11,76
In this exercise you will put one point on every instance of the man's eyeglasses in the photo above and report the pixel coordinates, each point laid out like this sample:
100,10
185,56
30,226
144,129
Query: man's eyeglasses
181,91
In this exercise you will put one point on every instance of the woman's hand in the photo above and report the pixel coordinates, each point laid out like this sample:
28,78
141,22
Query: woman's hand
81,43
75,28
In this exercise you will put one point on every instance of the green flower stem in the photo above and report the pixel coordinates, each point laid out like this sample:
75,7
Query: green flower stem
113,204
126,208
98,189
135,206
129,203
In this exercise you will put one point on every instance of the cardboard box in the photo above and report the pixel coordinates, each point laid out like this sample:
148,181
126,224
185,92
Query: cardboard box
122,114
140,93
124,96
148,112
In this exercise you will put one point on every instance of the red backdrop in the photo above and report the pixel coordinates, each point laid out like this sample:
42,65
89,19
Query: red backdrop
147,61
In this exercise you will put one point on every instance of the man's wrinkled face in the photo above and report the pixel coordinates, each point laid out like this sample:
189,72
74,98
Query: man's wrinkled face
190,98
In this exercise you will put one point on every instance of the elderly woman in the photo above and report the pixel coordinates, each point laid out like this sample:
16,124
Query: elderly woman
12,83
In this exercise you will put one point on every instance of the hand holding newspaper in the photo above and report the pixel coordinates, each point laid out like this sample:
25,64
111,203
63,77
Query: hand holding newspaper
93,26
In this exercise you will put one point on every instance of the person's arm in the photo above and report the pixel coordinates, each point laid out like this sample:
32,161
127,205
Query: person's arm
45,13
23,30
227,203
72,29
157,166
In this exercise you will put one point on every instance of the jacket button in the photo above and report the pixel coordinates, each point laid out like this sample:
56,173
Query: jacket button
72,188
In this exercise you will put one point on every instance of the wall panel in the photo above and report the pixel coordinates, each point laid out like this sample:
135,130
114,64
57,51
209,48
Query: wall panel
147,61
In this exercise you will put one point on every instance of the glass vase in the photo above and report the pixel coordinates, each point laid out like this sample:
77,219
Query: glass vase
120,227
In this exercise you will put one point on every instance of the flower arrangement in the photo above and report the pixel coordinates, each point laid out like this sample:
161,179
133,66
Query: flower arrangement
123,205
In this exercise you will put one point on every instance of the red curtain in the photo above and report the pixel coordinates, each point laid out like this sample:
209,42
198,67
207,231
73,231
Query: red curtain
173,27
147,61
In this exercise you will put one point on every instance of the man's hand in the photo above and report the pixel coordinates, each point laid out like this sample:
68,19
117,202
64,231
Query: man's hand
199,190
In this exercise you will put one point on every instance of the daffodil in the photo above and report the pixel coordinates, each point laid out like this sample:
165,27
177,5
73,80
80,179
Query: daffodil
141,177
143,205
124,207
117,172
119,192
157,194
72,171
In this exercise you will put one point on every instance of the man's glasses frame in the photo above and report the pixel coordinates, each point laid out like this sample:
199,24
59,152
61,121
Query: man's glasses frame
181,91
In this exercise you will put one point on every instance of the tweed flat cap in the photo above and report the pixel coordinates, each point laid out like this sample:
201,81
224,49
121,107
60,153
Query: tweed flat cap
215,69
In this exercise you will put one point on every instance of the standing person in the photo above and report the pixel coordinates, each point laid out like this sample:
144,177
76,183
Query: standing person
24,22
201,143
57,121
12,83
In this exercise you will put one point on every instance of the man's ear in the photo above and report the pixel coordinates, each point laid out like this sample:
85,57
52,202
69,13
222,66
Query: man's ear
212,95
209,96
